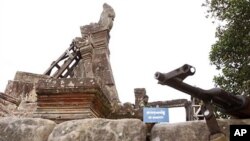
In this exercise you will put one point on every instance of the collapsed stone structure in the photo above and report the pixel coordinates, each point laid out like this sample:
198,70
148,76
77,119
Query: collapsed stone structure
80,87
79,84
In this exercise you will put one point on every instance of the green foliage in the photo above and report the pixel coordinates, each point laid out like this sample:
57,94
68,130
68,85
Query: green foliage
231,52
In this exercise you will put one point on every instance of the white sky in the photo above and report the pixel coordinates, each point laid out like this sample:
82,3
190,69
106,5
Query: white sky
147,36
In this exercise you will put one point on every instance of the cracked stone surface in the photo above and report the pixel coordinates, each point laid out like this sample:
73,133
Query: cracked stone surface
25,129
99,130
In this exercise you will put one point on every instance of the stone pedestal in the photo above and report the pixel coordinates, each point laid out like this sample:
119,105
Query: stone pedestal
73,98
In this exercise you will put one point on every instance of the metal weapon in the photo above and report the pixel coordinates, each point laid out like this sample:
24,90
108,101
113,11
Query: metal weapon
235,105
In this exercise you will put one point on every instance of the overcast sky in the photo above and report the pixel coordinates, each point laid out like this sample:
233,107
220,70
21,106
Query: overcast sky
147,36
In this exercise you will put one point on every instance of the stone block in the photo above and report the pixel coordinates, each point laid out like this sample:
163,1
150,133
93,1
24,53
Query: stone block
25,129
71,98
19,89
29,77
190,131
97,129
22,87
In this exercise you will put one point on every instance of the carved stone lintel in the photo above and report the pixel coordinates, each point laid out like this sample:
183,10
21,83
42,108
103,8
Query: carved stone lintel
86,52
101,40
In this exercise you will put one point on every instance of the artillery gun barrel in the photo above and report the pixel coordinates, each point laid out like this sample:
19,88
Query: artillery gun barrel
235,105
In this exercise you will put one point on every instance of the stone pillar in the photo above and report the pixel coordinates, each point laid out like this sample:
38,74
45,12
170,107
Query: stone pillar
101,61
101,64
141,99
97,34
94,48
86,54
84,68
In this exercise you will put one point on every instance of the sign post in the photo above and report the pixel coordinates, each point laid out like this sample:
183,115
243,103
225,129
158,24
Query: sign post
155,115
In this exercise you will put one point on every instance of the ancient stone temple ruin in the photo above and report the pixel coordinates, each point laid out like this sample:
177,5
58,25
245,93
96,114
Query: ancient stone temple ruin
76,98
79,84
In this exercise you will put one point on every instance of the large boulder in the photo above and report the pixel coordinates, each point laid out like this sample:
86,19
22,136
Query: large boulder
98,129
25,129
191,131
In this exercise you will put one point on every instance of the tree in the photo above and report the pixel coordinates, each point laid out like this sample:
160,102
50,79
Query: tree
231,52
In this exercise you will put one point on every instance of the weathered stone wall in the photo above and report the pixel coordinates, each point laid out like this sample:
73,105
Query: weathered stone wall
96,129
22,88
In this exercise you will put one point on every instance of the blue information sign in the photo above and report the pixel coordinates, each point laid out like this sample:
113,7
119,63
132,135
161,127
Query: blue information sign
154,115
